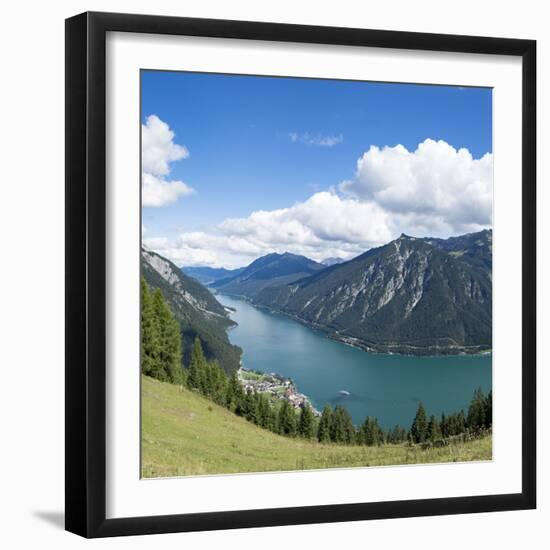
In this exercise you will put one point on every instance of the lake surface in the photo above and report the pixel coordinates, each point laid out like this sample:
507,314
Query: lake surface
386,386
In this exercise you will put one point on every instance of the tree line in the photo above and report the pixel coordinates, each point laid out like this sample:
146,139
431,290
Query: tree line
161,355
478,419
162,359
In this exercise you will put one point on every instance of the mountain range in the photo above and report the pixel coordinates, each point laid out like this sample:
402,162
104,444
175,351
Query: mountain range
268,271
207,275
412,295
332,261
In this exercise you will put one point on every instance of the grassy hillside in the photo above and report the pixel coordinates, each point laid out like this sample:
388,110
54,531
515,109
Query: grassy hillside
185,434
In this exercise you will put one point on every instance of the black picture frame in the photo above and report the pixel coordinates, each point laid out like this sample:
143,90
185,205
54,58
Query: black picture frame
86,279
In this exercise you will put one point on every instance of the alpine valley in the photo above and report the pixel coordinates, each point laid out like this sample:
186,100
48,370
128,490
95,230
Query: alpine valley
408,299
419,296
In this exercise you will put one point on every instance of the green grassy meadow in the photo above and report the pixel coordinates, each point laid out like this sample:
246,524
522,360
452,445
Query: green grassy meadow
183,434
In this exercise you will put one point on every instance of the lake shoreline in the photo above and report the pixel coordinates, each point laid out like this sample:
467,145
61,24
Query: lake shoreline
382,385
383,349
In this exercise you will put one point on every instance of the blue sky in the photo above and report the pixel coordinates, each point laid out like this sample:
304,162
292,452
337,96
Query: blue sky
266,144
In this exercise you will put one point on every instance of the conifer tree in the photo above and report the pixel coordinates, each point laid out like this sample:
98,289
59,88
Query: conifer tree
349,428
460,423
419,426
434,430
150,350
342,426
476,412
489,410
169,339
160,338
247,406
305,424
272,420
371,433
366,432
250,407
217,383
453,425
263,409
397,435
444,425
207,380
286,419
234,394
197,365
325,425
161,317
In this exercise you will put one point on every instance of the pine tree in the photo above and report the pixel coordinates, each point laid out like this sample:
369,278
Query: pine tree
325,425
371,432
273,419
263,408
476,412
217,382
305,424
197,366
170,340
419,426
150,345
234,393
250,411
444,425
489,410
366,432
161,316
460,423
397,435
434,430
207,380
349,428
342,430
286,419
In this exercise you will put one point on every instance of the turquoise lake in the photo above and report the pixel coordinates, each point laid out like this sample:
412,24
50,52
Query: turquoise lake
386,386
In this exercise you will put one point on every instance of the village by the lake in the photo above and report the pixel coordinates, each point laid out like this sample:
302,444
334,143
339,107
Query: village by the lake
276,386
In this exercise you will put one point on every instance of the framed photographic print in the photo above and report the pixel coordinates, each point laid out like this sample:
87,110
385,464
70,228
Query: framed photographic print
300,274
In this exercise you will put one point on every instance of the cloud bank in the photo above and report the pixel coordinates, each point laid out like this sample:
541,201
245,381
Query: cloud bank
435,190
158,151
437,182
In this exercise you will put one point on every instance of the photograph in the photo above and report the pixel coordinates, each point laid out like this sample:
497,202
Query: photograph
316,274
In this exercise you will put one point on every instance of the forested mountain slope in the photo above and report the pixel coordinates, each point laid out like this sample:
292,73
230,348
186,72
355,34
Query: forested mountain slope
419,296
196,309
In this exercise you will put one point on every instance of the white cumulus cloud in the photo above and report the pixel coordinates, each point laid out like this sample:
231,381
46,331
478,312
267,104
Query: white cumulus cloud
434,186
158,151
325,225
435,190
157,192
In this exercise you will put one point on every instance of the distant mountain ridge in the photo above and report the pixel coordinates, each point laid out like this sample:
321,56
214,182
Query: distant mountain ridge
270,270
332,261
413,295
207,275
196,309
